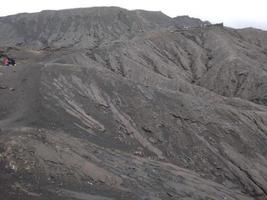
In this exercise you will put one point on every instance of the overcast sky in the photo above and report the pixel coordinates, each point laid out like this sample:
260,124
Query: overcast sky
234,13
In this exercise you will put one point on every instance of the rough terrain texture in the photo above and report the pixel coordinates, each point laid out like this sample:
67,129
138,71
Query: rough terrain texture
111,104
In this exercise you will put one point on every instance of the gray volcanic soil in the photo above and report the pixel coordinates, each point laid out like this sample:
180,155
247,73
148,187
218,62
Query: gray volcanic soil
107,104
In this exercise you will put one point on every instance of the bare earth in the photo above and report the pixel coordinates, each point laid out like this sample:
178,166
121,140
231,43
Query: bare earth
111,104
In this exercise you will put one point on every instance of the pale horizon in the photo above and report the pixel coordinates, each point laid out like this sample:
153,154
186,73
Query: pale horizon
236,14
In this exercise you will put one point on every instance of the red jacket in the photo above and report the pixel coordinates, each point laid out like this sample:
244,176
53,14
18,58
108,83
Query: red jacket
5,61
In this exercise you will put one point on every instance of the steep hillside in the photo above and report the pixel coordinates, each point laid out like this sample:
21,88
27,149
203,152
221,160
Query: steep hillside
80,28
186,21
111,104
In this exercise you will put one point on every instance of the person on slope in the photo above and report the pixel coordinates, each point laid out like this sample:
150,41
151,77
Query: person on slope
6,61
11,61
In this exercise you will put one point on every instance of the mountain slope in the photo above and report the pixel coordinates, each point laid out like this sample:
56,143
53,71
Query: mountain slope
77,27
137,110
186,21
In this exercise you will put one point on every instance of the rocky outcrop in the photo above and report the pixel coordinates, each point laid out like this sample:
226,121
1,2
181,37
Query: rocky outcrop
187,22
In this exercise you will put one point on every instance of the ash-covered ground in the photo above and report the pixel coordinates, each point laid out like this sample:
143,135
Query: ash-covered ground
111,104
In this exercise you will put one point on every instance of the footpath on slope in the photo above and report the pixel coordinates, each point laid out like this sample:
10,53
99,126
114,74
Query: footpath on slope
19,86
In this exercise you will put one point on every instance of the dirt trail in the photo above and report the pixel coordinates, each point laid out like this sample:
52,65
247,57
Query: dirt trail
19,96
9,95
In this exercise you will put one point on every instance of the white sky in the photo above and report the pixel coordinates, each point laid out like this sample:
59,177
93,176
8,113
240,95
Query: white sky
234,13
